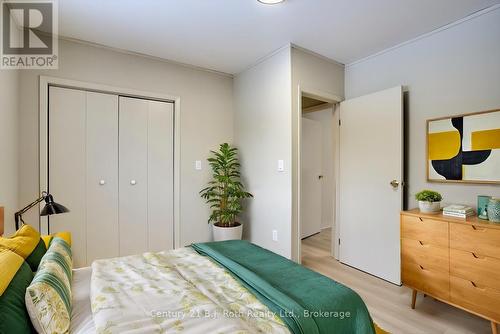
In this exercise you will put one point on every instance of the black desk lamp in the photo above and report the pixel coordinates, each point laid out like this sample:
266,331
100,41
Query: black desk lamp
50,208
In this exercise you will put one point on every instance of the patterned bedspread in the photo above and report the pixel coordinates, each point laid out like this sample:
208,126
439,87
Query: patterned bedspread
176,291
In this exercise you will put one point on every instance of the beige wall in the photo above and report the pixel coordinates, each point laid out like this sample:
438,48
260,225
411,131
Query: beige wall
262,124
314,74
450,72
9,87
206,117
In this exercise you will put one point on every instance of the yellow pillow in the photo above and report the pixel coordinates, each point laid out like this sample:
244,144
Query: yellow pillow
10,263
27,243
66,236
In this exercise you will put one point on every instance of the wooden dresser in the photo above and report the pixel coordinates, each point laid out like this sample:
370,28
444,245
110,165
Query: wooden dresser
453,260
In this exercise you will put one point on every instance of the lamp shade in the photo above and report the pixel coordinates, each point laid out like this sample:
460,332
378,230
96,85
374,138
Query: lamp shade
51,207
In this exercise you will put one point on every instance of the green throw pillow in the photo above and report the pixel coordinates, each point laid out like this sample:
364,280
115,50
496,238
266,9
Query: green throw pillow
14,317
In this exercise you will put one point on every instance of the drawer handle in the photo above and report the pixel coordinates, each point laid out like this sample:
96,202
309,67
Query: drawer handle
421,267
475,285
477,228
421,243
477,257
421,219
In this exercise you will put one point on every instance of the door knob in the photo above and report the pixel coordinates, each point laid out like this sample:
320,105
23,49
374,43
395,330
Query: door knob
394,184
133,182
102,182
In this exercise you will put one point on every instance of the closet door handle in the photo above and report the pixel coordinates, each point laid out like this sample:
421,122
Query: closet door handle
133,182
102,182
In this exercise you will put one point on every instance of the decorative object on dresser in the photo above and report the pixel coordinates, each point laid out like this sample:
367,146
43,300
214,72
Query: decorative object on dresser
225,193
494,210
429,201
464,148
458,211
482,206
454,260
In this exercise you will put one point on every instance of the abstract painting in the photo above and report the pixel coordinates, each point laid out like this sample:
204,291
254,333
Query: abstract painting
464,148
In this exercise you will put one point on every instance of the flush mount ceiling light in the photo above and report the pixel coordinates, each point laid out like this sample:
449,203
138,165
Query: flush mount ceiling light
270,2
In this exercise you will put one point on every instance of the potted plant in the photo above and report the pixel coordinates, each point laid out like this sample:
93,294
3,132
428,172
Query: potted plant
225,193
429,201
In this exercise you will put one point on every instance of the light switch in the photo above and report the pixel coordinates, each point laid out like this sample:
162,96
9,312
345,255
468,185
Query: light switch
197,165
281,165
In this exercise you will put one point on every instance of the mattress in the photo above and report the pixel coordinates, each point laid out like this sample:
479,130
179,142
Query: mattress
81,314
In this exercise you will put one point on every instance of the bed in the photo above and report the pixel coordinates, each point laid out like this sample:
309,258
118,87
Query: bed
223,287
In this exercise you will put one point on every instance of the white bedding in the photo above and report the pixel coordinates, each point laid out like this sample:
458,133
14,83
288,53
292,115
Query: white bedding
172,292
81,314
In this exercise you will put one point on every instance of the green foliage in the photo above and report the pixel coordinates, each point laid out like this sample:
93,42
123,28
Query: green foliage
225,192
428,196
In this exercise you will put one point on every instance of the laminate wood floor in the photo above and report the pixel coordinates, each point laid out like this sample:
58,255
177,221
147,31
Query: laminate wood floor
389,304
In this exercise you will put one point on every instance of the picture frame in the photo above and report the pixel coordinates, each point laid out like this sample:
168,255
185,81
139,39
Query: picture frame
464,148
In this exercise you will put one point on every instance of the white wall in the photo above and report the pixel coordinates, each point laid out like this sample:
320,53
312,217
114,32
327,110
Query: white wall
325,118
451,72
313,74
262,123
206,117
9,87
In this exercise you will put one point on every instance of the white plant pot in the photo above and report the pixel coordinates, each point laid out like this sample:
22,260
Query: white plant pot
429,207
227,233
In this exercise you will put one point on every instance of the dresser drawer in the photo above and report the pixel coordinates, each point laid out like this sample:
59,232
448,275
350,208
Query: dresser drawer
479,240
427,230
482,270
433,282
482,300
427,255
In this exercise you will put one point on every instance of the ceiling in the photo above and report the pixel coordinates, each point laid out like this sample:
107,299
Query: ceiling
230,35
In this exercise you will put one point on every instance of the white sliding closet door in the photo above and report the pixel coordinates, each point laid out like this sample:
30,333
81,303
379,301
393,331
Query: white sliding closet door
102,176
133,161
146,175
161,176
110,161
67,143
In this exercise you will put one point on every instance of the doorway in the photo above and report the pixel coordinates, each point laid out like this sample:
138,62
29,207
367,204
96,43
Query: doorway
368,160
317,179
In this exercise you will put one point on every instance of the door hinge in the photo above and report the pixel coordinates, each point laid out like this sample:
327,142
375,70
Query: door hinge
340,122
339,241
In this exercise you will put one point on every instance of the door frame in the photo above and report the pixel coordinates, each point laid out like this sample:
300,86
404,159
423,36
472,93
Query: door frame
47,81
296,177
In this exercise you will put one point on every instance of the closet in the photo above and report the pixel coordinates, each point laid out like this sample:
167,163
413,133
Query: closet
110,161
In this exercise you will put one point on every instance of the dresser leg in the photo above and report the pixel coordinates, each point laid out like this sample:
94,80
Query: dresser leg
414,299
494,328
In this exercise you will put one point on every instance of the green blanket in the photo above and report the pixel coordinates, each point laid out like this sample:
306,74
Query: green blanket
306,301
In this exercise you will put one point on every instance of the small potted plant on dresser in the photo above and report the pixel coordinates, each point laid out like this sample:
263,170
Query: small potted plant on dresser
225,193
429,201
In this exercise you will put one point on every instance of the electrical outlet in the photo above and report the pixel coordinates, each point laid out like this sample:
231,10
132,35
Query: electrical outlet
197,165
275,235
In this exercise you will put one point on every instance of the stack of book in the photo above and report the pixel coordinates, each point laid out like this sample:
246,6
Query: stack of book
458,211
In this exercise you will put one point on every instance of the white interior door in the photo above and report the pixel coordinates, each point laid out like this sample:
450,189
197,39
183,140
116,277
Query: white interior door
311,162
371,156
